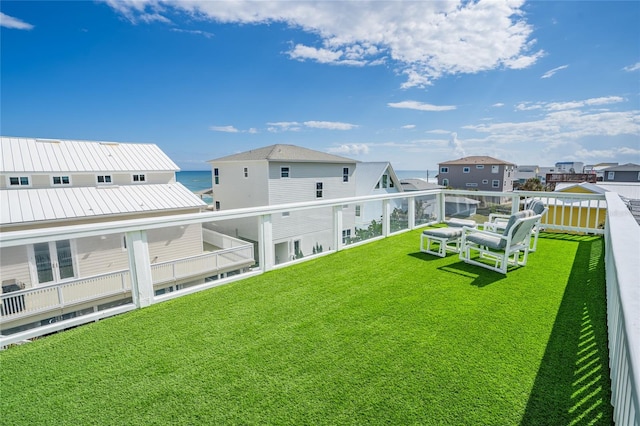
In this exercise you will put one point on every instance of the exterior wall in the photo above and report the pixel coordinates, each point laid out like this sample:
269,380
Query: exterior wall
623,176
13,265
236,191
474,179
100,255
174,243
300,186
45,180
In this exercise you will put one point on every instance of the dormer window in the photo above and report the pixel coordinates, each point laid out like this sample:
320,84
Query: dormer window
18,181
139,178
104,179
61,180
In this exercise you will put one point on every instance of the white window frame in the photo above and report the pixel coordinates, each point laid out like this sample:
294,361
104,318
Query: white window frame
53,251
245,172
20,181
319,190
62,180
346,233
611,175
285,172
445,182
216,176
286,214
106,179
466,169
444,170
345,174
358,210
479,166
495,169
495,183
141,177
217,204
485,181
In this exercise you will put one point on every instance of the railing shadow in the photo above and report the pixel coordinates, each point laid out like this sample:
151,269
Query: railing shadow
573,385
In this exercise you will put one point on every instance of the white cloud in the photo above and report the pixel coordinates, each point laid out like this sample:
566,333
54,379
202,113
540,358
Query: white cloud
422,40
550,73
420,106
226,129
439,132
284,126
196,32
331,125
634,67
7,21
456,145
498,105
409,126
352,149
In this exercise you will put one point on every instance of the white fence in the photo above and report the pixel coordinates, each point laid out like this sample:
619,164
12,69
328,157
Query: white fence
622,259
567,212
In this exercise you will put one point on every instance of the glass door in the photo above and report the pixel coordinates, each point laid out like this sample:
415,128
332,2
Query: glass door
53,261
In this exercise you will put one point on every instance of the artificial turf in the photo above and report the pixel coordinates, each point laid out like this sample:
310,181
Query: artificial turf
376,334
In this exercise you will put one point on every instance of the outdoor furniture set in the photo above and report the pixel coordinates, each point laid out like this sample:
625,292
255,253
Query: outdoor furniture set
504,240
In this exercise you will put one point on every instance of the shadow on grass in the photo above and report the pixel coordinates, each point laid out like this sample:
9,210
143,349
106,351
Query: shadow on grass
572,386
463,269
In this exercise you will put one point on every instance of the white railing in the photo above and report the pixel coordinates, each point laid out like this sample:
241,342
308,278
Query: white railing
49,298
622,261
568,212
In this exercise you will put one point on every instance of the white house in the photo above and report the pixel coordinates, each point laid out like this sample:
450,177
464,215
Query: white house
283,174
58,183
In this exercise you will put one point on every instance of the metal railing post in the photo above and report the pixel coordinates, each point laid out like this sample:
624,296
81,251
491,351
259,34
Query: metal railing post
140,267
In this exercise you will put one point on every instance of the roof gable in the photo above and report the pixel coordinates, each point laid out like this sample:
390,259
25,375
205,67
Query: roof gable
368,174
477,159
286,153
30,155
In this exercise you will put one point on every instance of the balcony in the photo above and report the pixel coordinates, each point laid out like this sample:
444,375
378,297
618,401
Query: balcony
378,333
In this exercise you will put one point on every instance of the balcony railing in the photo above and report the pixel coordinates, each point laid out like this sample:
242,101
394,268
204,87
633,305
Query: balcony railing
391,214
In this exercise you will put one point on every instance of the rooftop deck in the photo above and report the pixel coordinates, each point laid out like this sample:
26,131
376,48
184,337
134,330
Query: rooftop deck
378,334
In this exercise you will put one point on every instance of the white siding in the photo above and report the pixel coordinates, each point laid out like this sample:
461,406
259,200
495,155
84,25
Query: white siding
97,255
236,191
174,243
14,265
301,185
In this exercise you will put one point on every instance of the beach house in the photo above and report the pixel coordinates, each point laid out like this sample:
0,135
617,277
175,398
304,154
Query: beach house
53,184
288,174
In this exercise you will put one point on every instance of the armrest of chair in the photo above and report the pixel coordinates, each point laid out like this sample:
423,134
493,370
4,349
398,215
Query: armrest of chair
494,216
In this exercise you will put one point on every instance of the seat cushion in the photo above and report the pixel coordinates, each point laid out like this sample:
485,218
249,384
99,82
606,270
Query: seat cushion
491,241
461,222
514,217
448,233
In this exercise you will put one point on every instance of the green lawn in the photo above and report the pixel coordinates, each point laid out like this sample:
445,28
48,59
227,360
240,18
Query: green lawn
377,334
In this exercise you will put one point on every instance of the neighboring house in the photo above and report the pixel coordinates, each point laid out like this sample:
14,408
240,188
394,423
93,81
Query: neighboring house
542,173
629,172
477,173
283,174
57,183
524,173
569,167
598,169
577,213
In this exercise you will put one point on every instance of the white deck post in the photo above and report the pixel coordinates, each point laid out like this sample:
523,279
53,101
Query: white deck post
386,218
411,212
337,227
266,254
140,267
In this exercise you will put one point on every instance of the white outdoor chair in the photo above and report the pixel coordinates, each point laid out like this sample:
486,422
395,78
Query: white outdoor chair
498,222
497,251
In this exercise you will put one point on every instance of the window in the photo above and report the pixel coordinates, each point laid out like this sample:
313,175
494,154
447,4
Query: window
479,166
346,236
286,214
246,172
445,182
495,169
466,170
104,178
391,184
19,181
471,184
139,178
384,181
284,172
345,174
611,175
485,181
378,185
217,205
53,261
495,183
216,176
358,211
318,189
444,170
61,180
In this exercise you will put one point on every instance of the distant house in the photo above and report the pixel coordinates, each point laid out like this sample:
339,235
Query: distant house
569,167
47,183
283,174
577,213
477,173
629,172
598,169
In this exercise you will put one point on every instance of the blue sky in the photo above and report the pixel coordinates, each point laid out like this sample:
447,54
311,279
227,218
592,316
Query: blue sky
414,83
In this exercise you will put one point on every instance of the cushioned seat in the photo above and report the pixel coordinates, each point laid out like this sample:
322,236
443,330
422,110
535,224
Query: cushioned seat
447,239
460,222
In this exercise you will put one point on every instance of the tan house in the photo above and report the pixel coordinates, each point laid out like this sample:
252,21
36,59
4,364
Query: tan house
57,183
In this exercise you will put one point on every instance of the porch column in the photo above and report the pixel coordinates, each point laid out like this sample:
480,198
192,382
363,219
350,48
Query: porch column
140,268
265,243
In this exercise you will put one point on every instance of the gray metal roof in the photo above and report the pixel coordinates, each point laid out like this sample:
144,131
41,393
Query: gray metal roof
629,167
283,152
47,204
52,155
477,159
